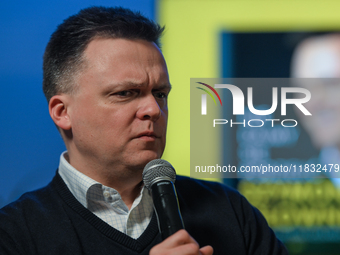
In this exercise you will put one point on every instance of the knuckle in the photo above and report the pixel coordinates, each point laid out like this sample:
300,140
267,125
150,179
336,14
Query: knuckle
155,250
182,233
193,247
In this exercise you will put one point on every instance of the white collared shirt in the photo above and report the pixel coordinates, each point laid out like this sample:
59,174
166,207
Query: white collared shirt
106,203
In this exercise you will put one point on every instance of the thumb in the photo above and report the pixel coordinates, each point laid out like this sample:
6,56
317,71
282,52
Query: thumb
207,250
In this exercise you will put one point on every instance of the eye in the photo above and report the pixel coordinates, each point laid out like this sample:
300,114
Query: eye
124,93
160,95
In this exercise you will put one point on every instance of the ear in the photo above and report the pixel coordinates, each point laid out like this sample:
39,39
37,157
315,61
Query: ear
58,108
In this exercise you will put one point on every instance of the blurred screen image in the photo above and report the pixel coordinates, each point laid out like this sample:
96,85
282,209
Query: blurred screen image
304,212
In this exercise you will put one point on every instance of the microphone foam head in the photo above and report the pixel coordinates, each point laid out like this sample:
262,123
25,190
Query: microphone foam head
158,170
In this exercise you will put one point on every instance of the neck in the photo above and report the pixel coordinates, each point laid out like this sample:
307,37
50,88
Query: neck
127,185
127,182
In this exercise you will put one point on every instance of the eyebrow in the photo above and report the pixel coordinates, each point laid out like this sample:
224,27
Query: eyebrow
165,86
128,85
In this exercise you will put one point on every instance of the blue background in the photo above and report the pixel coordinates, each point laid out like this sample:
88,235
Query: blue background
30,144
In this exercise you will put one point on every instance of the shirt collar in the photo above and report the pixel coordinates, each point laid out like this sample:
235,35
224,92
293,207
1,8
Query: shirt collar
77,182
85,188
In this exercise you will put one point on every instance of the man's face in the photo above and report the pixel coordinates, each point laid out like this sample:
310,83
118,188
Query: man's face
320,58
119,112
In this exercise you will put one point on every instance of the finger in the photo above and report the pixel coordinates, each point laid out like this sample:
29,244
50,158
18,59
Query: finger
207,250
179,243
179,238
183,249
186,249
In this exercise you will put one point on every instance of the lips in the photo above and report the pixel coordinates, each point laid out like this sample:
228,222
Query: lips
147,135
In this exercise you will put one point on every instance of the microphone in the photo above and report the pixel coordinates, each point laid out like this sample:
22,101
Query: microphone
159,177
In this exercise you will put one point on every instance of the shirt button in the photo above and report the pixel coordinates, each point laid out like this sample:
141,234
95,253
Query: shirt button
106,194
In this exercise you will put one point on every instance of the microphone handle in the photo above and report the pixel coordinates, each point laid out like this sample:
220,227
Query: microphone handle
166,207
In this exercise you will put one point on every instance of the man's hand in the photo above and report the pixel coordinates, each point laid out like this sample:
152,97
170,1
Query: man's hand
180,243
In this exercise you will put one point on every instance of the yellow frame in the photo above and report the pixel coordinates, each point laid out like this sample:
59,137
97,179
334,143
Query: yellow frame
191,48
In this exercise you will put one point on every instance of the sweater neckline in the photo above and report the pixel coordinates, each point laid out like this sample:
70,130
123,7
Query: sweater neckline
137,245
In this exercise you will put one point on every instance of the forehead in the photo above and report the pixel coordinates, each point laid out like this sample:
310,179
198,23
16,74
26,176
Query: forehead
119,47
123,58
317,58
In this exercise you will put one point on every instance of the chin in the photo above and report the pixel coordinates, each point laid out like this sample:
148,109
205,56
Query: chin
141,160
151,157
322,142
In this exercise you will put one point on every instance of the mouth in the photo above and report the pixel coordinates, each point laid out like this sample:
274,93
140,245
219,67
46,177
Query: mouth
147,136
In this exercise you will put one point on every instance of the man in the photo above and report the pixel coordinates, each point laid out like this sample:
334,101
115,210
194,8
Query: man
318,58
107,85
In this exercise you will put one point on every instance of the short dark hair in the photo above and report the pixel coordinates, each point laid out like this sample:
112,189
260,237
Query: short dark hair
63,56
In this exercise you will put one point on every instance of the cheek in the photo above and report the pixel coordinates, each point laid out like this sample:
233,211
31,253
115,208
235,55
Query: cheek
88,119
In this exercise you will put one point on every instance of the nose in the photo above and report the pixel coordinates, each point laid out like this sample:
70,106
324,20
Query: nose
149,109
